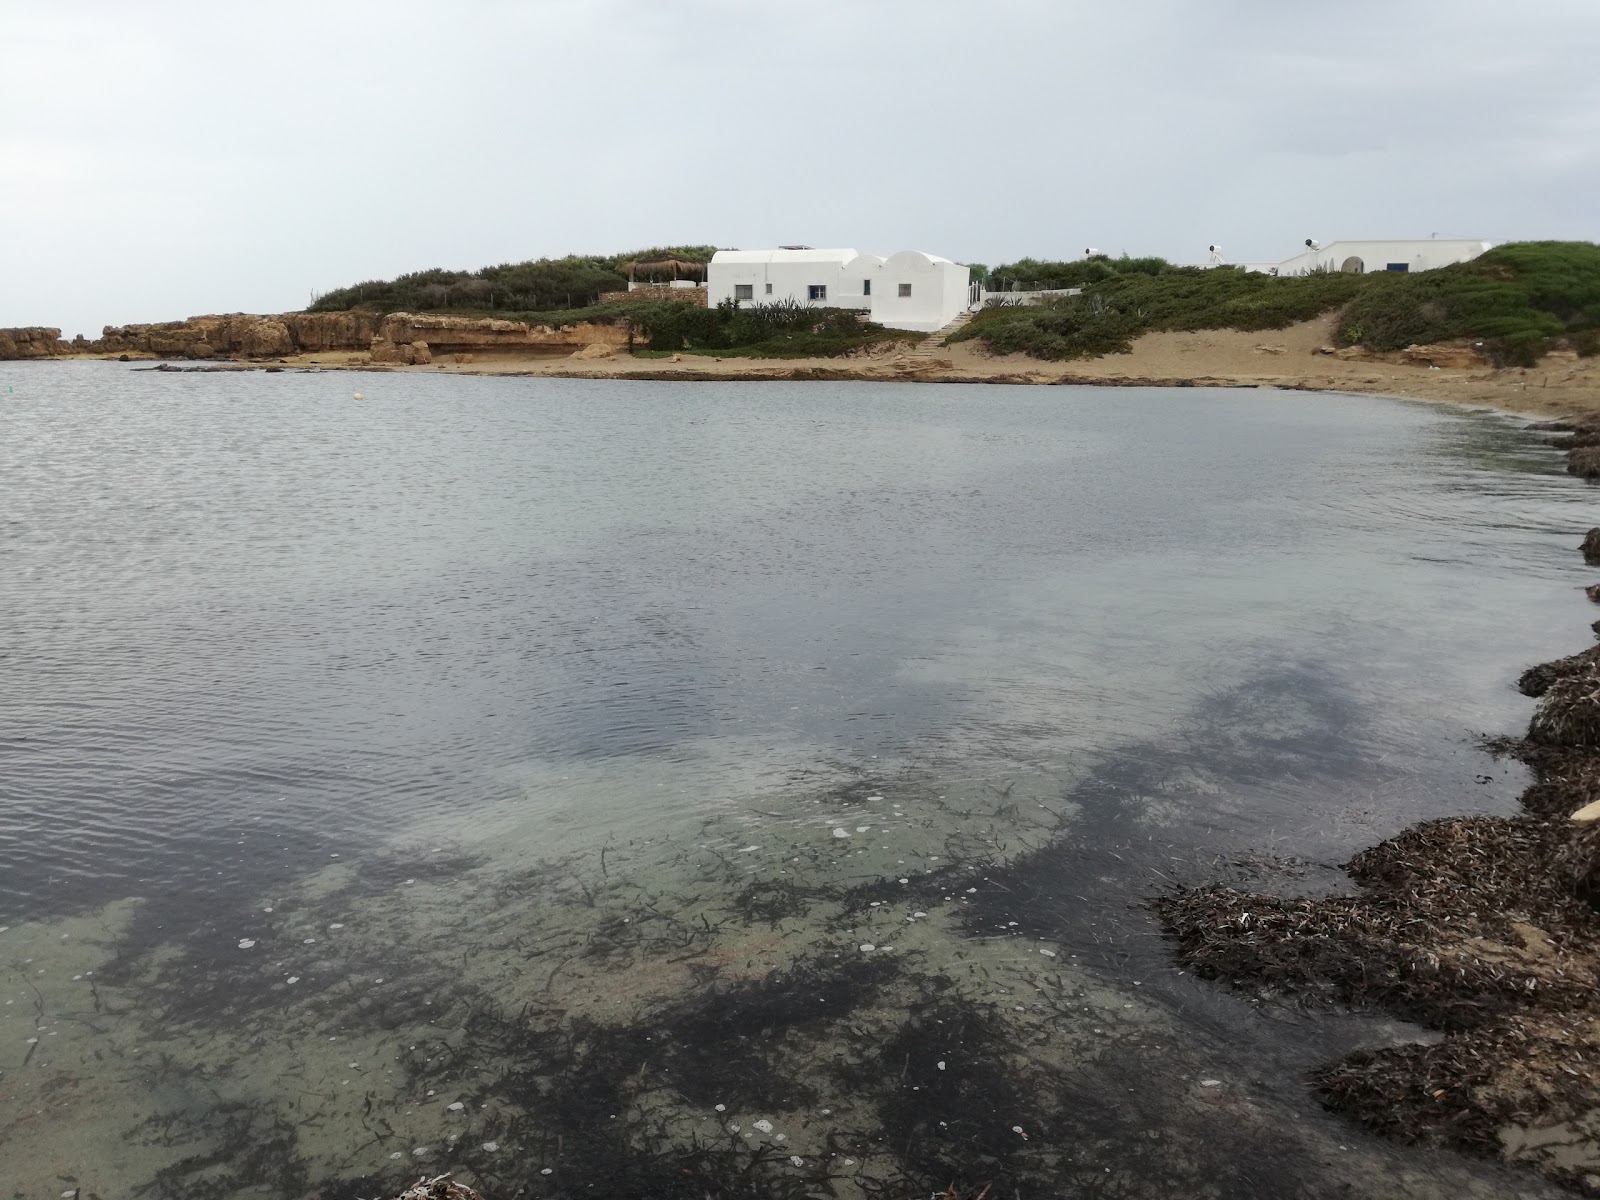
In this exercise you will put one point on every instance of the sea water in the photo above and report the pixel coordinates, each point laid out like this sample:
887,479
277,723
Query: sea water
610,788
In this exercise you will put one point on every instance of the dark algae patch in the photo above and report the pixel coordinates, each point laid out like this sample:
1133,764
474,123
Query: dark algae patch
1482,928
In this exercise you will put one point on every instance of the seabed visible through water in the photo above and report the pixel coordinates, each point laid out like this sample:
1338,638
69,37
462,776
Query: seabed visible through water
895,942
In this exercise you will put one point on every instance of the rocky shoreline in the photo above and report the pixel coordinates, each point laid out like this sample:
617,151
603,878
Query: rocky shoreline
243,338
1483,929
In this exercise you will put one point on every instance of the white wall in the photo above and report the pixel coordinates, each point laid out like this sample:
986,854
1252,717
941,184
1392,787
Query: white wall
1419,254
938,292
790,273
852,276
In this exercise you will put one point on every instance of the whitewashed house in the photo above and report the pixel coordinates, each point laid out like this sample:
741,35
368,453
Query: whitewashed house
858,279
920,291
1418,254
909,290
795,273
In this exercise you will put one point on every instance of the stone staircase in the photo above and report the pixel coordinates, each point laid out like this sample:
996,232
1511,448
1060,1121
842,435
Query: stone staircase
930,346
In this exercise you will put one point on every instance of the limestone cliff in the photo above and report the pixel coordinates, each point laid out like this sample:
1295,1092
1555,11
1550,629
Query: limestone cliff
32,342
395,338
242,335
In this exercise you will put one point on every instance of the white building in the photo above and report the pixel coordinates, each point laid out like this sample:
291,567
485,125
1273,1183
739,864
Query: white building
920,291
908,290
1420,254
794,273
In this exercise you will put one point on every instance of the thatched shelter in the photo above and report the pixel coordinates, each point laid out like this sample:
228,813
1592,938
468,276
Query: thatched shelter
667,267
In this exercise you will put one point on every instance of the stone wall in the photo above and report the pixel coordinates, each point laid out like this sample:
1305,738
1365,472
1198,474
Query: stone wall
657,291
32,342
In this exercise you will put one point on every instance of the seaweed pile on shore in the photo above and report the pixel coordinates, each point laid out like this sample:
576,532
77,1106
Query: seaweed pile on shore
1482,928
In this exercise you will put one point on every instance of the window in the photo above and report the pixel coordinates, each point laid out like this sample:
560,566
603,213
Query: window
744,291
866,287
1398,267
817,291
769,289
905,291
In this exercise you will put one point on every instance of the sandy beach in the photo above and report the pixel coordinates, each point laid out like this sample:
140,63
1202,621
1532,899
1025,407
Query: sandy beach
1287,358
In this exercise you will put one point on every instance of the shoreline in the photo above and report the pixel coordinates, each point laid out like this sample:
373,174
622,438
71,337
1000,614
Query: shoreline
1298,358
1483,929
1004,892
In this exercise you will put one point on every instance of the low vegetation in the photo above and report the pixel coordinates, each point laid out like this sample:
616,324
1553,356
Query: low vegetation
1519,300
784,330
540,285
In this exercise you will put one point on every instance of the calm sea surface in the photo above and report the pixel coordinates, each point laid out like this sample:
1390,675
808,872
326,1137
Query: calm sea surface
629,763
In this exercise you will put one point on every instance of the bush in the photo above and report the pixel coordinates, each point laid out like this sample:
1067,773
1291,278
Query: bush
575,281
1152,294
1519,299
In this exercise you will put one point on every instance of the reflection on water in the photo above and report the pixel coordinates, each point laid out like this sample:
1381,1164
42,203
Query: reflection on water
659,789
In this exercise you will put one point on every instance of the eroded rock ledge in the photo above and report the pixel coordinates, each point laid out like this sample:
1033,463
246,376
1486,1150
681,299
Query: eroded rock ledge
393,338
32,342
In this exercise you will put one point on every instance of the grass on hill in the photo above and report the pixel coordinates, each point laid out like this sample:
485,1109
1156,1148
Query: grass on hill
1519,300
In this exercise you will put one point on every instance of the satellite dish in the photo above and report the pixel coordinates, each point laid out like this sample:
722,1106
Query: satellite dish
1090,252
1313,244
1216,256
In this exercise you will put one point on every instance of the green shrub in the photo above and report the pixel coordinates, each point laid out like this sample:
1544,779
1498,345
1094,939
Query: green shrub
1152,294
575,281
1520,300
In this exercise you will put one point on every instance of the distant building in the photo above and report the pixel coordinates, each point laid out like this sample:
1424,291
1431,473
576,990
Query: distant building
1358,258
908,290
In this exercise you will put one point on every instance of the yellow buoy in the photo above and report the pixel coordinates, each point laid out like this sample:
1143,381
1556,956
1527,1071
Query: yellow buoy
357,396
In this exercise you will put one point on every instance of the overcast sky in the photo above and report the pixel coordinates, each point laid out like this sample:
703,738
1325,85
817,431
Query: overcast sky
160,158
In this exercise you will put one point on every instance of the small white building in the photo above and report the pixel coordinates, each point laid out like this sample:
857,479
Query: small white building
909,290
1418,254
796,273
918,291
858,279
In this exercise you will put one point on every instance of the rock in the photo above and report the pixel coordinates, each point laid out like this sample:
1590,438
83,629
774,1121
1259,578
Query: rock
1584,462
1551,427
1456,355
1272,349
1537,680
1593,592
441,1187
1328,350
420,354
385,351
1354,354
594,350
1561,356
1568,714
33,341
1591,547
265,337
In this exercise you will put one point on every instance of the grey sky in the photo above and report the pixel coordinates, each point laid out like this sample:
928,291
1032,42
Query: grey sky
160,158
